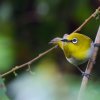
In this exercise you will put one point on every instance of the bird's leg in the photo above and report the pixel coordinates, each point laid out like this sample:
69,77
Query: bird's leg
83,73
79,69
95,45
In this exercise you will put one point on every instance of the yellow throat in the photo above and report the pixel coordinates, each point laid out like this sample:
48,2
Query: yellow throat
76,47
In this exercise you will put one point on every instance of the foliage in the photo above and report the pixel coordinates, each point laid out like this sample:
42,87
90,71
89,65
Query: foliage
26,27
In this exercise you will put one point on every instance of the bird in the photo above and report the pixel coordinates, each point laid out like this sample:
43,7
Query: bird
77,48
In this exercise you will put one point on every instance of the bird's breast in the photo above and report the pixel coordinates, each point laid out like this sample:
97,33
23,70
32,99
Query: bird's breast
80,57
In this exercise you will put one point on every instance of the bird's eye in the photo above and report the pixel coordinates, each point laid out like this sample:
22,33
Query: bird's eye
74,40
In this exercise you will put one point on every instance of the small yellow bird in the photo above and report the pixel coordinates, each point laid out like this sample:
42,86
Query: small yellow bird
77,48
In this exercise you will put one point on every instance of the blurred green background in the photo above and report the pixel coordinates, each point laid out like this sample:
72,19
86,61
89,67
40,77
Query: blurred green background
26,27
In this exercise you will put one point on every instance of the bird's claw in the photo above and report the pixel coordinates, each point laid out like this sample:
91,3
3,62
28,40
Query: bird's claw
96,44
86,74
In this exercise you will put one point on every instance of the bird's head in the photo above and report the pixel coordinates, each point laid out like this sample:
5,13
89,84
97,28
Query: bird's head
74,39
77,41
73,43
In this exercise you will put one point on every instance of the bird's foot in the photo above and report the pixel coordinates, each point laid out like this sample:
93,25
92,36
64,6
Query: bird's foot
86,74
96,44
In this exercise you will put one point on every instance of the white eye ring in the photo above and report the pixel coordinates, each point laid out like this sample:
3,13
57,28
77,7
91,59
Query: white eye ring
74,40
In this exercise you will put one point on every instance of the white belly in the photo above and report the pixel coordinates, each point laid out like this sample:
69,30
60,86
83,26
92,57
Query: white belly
75,61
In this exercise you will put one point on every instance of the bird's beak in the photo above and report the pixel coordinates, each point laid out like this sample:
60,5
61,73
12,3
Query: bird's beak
55,40
66,40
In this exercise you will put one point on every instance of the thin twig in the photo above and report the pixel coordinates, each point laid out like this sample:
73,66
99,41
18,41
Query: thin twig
29,62
88,19
47,51
89,67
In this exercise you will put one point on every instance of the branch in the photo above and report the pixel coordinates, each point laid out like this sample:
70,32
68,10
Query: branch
97,11
29,62
89,66
47,51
